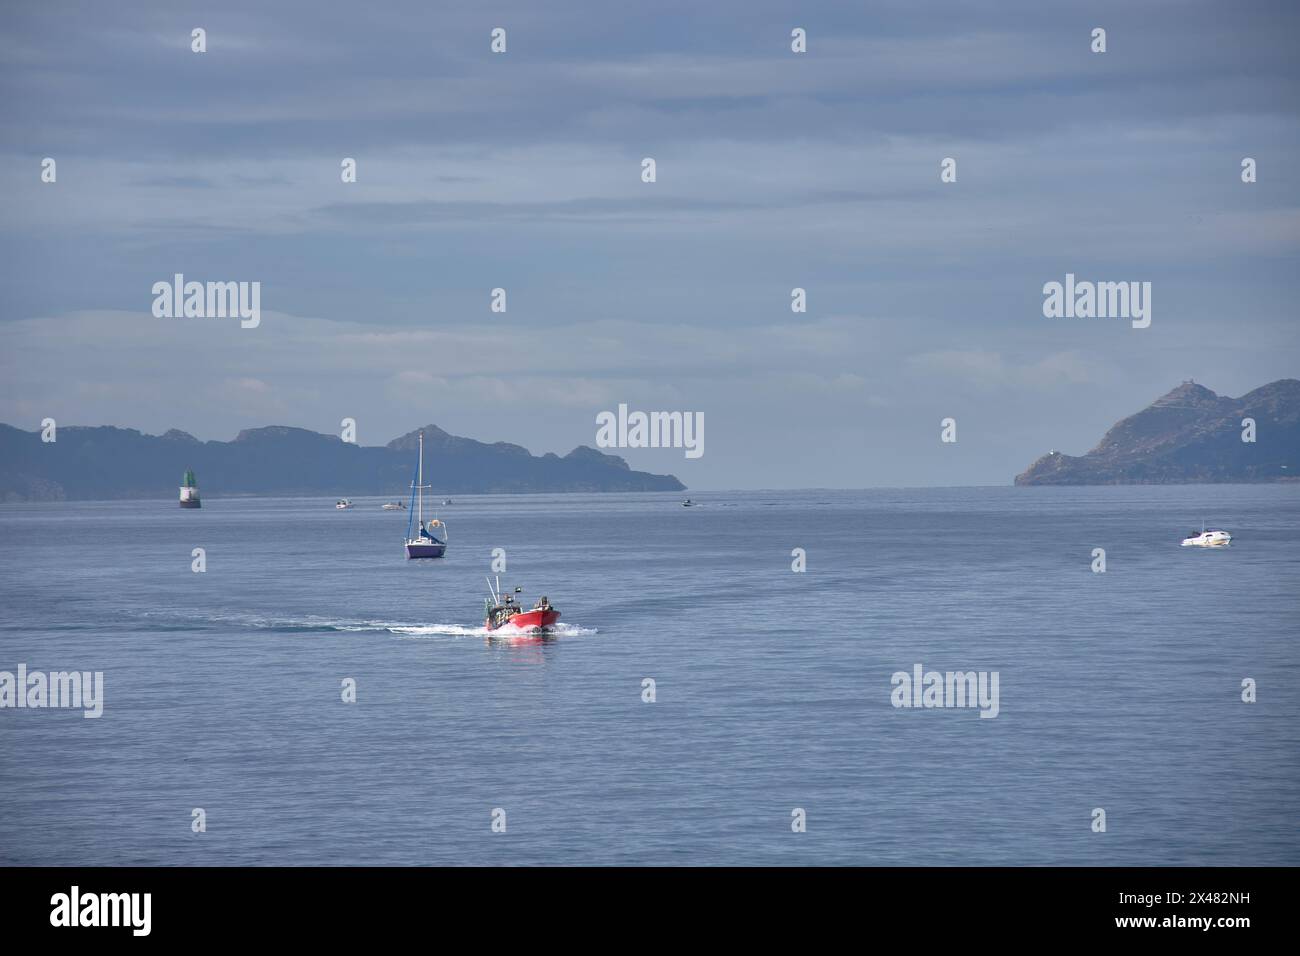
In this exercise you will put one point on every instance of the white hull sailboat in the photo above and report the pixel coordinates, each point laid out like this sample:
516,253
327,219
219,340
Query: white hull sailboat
423,543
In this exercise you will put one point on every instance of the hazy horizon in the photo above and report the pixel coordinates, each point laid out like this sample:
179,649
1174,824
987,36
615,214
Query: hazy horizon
620,452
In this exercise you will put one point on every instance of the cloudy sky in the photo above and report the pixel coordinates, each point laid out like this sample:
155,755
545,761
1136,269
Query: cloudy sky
775,170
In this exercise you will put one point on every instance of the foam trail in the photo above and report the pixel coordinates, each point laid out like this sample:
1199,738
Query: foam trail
314,624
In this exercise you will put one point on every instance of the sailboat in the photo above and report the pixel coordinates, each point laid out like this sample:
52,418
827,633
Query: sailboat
423,544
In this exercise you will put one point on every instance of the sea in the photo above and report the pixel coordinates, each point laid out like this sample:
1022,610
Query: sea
312,697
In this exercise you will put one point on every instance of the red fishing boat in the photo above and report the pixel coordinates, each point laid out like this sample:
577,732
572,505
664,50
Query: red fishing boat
507,612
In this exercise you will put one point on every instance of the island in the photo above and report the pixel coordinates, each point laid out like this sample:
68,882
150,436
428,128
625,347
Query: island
106,462
1190,435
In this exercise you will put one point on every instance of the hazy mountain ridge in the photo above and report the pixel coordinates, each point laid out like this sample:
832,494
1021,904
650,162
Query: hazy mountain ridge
105,462
1189,435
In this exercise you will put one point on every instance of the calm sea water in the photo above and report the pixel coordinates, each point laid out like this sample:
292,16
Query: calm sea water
222,689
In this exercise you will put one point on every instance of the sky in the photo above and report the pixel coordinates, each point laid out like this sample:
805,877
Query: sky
522,170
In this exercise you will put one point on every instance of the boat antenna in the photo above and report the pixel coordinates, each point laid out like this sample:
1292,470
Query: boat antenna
490,591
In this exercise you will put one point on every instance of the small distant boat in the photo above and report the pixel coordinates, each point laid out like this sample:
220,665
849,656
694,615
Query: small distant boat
393,506
423,544
1207,538
190,490
343,504
446,501
508,613
688,503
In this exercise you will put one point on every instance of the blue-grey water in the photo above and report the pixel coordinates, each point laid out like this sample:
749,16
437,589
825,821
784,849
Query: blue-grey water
1120,690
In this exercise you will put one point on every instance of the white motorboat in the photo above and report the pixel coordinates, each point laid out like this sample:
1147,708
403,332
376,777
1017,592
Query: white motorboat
343,503
1207,538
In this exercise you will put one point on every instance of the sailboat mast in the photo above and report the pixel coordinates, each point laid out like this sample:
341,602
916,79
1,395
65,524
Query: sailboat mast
419,481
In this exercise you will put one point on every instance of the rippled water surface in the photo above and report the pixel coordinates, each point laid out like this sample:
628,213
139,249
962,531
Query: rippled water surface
1119,690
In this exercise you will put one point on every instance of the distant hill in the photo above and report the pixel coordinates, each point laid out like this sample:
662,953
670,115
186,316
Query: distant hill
1189,435
107,462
